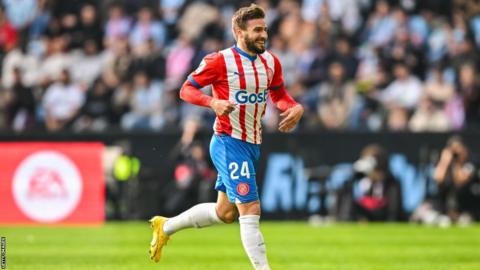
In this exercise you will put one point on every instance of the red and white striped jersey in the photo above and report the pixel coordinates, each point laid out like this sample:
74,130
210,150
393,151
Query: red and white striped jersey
246,81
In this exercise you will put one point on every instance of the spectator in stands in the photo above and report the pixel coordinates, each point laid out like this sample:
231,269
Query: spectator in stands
312,60
419,28
373,194
170,10
401,49
68,30
121,99
469,90
118,25
119,64
438,40
152,61
18,57
8,34
88,63
429,117
458,182
40,22
178,62
56,60
146,105
460,47
397,119
89,27
96,113
437,88
475,25
405,91
21,108
62,102
20,12
343,53
146,28
381,25
194,19
336,98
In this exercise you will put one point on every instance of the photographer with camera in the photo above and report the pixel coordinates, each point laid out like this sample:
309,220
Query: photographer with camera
372,194
458,183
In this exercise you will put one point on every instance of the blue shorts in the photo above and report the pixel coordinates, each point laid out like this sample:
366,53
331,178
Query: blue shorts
236,163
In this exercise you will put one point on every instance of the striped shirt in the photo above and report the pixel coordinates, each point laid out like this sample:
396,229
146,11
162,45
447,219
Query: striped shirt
246,81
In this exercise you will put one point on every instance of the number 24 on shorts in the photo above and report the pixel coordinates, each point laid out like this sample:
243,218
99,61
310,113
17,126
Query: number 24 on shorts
244,171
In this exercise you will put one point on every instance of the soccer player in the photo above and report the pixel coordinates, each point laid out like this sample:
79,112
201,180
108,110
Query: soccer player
242,77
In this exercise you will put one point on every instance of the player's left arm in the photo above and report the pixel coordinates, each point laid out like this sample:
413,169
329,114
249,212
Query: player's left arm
291,110
205,74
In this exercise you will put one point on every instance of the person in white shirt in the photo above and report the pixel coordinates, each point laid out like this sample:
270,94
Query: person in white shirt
405,91
146,105
89,63
62,102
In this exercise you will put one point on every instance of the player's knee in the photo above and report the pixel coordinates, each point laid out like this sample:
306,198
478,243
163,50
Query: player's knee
252,208
228,216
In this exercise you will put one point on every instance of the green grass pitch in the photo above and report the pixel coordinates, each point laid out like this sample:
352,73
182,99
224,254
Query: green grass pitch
290,245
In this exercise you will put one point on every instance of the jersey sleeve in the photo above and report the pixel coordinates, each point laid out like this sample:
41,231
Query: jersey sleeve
207,72
277,91
277,80
193,95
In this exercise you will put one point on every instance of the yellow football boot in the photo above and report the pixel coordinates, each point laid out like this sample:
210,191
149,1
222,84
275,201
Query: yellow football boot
159,237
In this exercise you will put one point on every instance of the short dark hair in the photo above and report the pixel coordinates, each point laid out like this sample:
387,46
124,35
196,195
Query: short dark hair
244,14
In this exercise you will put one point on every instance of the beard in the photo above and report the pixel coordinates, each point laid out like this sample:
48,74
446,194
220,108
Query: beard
253,46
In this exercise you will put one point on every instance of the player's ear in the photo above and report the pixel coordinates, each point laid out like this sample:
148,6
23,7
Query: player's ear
237,32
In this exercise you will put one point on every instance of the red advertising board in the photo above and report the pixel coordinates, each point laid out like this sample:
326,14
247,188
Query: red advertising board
51,183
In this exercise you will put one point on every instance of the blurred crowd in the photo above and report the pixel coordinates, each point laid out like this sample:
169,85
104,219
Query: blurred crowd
366,65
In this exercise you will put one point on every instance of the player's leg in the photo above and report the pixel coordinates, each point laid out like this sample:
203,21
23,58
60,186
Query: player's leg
203,215
199,216
240,185
226,210
252,238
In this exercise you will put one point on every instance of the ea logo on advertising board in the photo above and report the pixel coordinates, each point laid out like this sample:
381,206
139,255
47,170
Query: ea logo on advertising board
47,186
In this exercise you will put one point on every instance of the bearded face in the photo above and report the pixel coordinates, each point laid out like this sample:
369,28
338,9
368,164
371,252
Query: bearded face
256,45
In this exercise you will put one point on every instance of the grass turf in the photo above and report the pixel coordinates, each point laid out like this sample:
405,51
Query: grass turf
292,246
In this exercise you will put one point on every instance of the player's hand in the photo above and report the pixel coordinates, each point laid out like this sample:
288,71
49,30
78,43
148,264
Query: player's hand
290,118
222,107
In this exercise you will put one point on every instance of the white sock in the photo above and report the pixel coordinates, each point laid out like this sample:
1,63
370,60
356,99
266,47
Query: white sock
253,242
199,216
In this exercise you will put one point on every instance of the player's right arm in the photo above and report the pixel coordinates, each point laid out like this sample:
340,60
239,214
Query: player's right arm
206,74
291,110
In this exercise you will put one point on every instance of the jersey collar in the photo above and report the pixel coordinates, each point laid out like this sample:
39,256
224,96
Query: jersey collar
250,57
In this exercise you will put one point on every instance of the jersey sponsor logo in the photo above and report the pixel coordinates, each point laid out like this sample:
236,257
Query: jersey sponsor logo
243,189
243,97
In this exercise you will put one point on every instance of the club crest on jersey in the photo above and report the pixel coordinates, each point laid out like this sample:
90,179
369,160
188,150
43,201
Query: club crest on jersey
243,189
243,97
